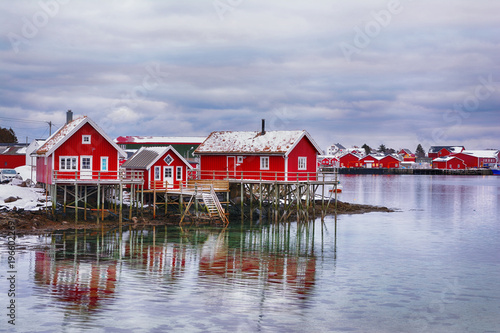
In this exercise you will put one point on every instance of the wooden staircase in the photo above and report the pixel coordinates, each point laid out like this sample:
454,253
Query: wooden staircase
214,206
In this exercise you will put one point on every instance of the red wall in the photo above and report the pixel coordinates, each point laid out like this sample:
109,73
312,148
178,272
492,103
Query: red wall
98,147
12,161
250,166
349,161
389,162
303,149
161,163
454,163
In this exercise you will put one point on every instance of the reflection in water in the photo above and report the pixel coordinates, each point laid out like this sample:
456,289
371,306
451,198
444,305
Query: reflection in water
85,271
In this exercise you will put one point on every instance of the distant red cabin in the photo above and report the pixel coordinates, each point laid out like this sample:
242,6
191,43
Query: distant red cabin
163,167
370,161
349,160
439,151
448,163
479,158
12,157
389,162
272,155
80,150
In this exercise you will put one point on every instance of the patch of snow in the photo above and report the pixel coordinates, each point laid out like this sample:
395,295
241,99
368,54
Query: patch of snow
30,198
25,172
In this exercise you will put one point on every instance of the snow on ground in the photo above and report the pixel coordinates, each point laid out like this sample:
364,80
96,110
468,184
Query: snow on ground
29,197
24,171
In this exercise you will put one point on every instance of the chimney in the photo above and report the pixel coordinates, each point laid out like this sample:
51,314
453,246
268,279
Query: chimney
263,127
69,117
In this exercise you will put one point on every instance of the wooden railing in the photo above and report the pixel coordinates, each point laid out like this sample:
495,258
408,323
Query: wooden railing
121,175
263,175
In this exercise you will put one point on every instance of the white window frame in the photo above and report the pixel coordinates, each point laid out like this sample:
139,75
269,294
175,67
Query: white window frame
239,159
302,163
178,173
165,168
81,163
157,172
73,167
171,159
86,136
264,162
104,158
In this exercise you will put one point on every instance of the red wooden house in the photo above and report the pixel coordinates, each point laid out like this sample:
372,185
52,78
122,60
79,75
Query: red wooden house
271,155
349,160
439,151
448,162
479,158
163,167
12,156
370,161
80,151
390,161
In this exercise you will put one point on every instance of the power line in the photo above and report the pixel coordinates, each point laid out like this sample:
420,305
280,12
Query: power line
23,120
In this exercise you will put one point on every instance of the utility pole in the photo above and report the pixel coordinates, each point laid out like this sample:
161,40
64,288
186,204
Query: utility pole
50,127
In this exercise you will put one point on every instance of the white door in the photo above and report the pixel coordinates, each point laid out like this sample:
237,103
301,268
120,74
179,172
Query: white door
168,176
231,166
85,167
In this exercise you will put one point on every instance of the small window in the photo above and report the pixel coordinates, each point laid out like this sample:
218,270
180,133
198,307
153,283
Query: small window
178,173
86,139
104,163
86,165
168,159
240,159
157,173
168,172
302,163
264,163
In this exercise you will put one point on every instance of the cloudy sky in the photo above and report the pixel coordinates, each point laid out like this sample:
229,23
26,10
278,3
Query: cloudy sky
396,72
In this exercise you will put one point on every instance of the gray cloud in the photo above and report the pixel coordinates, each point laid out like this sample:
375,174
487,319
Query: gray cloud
175,68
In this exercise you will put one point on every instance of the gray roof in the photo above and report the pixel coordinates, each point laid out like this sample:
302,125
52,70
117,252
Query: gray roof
143,158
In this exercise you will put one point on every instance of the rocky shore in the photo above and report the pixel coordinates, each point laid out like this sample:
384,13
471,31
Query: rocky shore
40,222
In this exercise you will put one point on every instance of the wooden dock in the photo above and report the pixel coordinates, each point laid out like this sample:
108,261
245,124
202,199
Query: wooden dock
199,200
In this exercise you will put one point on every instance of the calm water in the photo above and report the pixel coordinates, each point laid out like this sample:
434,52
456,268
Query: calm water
433,266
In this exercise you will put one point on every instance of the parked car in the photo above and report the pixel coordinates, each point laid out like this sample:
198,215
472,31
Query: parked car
6,175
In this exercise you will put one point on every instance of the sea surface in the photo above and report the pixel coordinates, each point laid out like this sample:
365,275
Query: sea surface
431,266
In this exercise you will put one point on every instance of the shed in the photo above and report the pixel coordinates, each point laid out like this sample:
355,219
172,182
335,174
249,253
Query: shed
163,167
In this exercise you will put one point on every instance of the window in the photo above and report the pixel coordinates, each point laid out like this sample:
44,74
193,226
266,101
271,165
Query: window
168,172
302,163
178,173
86,139
168,159
86,163
67,163
240,159
104,163
157,173
264,163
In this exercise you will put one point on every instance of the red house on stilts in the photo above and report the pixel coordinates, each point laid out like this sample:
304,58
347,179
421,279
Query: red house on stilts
78,151
266,155
163,167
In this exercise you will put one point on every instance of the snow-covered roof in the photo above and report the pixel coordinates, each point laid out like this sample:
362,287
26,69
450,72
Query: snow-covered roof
240,142
66,131
445,158
482,153
159,139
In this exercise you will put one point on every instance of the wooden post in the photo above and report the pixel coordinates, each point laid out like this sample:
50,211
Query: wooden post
102,209
65,196
154,200
131,201
85,203
98,200
76,202
120,216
